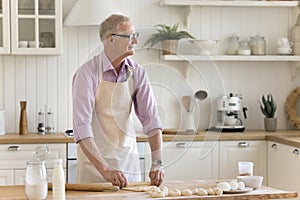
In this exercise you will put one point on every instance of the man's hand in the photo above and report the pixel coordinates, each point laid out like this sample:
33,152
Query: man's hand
117,178
156,175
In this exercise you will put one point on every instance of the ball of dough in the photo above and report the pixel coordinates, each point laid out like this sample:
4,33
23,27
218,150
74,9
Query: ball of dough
234,185
164,188
210,191
201,192
241,185
174,193
218,191
153,189
186,192
225,186
159,194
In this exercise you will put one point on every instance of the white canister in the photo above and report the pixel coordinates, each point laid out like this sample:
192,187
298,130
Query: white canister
2,122
245,168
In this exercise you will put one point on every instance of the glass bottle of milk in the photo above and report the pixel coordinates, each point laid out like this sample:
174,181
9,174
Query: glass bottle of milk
58,183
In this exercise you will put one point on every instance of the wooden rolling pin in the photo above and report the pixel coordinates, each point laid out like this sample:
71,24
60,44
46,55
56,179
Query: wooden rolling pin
96,187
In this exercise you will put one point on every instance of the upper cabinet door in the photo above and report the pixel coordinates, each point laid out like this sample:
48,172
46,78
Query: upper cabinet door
4,27
36,27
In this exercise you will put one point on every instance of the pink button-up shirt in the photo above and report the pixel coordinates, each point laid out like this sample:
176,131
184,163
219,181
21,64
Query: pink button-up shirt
85,83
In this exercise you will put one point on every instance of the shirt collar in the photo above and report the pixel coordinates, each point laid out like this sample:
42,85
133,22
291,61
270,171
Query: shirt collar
107,64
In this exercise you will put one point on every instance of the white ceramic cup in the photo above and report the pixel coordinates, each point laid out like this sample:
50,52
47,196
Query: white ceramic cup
2,122
245,168
284,42
32,44
284,50
23,44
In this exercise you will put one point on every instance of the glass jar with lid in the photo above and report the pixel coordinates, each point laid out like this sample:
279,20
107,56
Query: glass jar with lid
36,182
258,45
46,39
233,45
244,48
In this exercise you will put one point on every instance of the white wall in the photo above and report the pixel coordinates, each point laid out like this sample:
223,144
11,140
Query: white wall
46,80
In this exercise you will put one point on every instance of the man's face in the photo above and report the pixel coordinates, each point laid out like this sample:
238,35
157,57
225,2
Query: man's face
125,40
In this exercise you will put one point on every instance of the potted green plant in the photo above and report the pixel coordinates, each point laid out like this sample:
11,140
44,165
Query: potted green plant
168,36
268,109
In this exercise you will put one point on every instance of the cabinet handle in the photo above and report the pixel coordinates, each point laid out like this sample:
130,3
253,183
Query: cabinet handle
296,151
13,148
181,145
274,146
243,144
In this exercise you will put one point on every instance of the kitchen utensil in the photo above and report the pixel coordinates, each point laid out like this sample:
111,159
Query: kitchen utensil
96,187
201,94
188,103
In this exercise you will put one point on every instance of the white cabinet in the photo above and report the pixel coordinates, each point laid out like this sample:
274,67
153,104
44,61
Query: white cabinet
13,158
231,152
188,160
283,167
4,27
6,177
35,27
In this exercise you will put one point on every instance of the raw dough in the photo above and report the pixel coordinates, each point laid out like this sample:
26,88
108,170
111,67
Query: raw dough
241,185
201,192
159,194
234,185
218,191
186,192
225,186
174,193
142,188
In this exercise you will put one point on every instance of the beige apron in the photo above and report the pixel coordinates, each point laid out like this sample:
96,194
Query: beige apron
114,133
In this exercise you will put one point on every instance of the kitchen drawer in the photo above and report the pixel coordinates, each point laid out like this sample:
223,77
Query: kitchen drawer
17,157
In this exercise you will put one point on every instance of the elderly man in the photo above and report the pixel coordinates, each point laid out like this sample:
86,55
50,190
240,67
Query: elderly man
104,90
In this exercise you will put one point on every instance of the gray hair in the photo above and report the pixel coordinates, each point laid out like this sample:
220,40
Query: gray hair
111,25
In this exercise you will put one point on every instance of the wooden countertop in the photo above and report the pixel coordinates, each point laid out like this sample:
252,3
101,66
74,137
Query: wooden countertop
33,138
18,193
289,137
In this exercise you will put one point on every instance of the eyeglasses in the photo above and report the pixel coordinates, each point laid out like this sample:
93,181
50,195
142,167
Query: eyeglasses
131,37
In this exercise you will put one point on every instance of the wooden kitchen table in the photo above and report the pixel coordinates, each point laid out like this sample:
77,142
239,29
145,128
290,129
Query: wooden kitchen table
18,193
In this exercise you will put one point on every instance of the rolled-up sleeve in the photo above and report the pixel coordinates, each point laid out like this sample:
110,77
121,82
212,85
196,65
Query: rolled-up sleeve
83,95
145,103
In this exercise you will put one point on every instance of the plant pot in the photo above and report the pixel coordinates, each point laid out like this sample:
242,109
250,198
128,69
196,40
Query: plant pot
169,47
270,124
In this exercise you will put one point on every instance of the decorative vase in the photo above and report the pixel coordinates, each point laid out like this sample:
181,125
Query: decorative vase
270,124
169,47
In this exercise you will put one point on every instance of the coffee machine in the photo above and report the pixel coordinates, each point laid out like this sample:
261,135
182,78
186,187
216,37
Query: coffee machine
228,110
